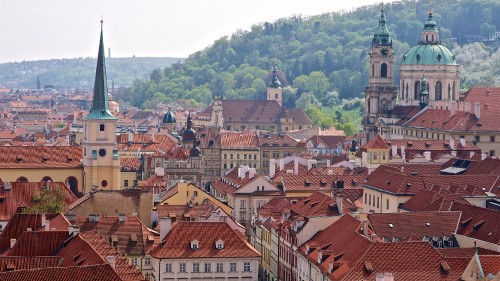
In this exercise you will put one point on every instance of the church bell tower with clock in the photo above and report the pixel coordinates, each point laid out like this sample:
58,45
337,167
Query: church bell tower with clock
379,93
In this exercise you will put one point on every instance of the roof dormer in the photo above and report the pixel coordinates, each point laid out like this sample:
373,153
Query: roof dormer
219,244
194,244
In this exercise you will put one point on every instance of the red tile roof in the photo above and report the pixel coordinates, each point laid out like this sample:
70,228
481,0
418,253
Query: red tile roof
145,142
318,204
31,157
39,243
245,139
177,242
490,264
22,192
432,200
339,244
417,225
103,272
479,223
407,262
23,263
276,140
181,212
376,143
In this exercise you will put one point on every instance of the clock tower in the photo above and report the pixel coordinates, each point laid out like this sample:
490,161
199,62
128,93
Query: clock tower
380,90
100,153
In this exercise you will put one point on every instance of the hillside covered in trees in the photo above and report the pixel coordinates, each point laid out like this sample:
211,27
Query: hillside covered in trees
77,72
322,59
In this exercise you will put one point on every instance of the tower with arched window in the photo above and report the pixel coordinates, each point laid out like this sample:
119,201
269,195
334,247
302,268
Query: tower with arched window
380,91
100,152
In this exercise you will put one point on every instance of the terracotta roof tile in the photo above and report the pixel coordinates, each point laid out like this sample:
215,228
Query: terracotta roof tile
177,242
415,224
479,223
38,243
247,139
23,263
16,157
103,272
490,264
376,143
317,204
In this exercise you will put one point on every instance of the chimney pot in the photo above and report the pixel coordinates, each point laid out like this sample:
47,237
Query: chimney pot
112,261
13,242
165,226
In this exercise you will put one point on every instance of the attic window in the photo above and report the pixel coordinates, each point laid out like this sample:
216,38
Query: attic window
70,158
114,239
391,225
445,266
19,158
195,244
368,266
219,244
45,158
133,237
388,182
466,222
477,225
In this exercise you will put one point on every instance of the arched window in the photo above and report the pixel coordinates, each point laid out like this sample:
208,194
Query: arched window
416,94
369,105
72,182
373,70
22,179
453,92
46,179
406,91
438,89
449,91
383,70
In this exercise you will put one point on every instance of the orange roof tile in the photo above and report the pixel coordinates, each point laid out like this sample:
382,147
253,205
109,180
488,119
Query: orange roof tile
40,157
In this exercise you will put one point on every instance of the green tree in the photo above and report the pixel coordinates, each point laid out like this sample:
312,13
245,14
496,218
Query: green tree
48,200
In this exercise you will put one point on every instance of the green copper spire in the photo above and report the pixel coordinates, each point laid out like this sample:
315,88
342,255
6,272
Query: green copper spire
275,82
382,36
100,106
424,94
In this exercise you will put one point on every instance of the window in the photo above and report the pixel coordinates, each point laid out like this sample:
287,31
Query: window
366,198
265,154
378,201
220,267
219,244
196,267
477,138
242,204
195,244
369,199
195,193
232,267
246,266
383,70
231,156
492,138
225,156
387,204
168,267
101,127
135,261
492,152
237,156
244,156
416,94
125,183
255,157
182,267
147,261
208,267
276,154
438,91
276,96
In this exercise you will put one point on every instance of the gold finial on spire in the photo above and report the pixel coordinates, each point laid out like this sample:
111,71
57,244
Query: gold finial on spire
102,20
430,7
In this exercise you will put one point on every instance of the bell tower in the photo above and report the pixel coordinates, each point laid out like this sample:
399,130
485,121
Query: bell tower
380,90
100,152
274,90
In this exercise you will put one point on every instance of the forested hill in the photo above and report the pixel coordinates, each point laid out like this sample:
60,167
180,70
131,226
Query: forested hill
77,72
319,54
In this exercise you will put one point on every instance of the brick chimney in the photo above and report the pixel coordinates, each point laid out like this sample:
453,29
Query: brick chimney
365,227
427,155
112,261
73,230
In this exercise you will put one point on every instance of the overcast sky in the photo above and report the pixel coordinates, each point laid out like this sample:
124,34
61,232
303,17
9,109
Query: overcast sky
45,29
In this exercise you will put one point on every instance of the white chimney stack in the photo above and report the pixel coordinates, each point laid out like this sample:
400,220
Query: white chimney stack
472,153
462,142
365,227
483,156
13,242
403,153
282,164
427,155
130,137
73,230
295,167
394,150
468,107
272,167
452,144
309,164
112,261
339,201
328,162
453,108
165,226
477,110
160,171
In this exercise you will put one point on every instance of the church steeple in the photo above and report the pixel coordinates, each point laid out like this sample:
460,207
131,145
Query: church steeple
275,82
100,106
430,34
382,36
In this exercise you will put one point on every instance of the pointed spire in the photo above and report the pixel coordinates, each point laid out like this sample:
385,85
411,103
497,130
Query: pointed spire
275,82
382,36
100,106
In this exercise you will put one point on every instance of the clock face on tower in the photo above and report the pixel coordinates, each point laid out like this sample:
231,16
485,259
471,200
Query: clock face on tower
384,52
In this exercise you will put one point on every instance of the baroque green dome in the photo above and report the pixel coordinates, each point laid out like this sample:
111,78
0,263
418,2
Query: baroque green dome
429,54
169,118
382,36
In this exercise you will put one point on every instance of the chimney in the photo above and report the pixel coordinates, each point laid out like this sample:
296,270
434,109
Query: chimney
477,110
295,167
320,256
328,162
462,142
12,242
160,171
93,217
239,172
272,167
154,216
330,267
70,217
165,226
365,227
73,230
339,201
483,156
111,260
130,137
44,221
394,150
251,173
453,108
387,276
307,249
309,164
427,155
468,107
122,217
282,164
471,154
403,153
452,144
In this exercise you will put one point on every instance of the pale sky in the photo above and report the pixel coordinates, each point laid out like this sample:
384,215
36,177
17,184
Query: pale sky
45,29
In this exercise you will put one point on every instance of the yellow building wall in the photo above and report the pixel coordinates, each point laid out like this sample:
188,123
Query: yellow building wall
130,176
36,175
185,193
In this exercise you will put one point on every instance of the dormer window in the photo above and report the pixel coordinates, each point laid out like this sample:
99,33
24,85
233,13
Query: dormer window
195,244
219,244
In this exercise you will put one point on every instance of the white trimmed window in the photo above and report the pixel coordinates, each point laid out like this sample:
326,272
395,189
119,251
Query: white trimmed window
196,267
168,267
195,244
220,267
246,266
232,267
219,244
182,267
